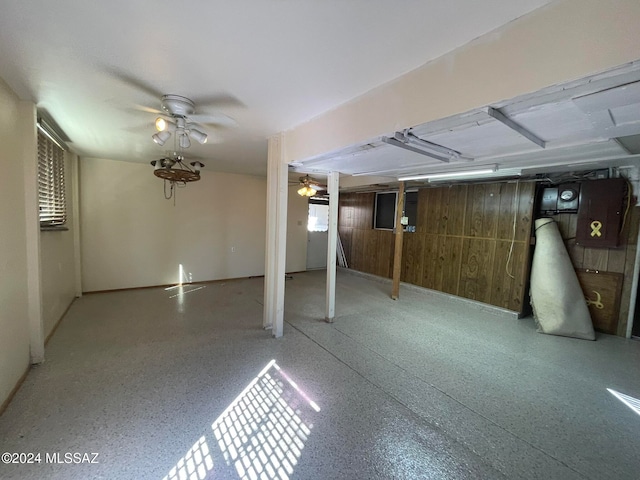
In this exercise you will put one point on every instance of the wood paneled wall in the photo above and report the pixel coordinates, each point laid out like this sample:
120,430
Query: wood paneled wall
615,260
367,250
470,240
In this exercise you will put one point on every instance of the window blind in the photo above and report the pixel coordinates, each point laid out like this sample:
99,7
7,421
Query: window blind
51,186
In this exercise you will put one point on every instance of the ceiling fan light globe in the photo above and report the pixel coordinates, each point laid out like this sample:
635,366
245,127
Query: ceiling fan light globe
161,137
197,166
161,124
307,191
184,141
198,136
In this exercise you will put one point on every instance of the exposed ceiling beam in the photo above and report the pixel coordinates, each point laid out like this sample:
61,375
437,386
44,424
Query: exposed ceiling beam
502,118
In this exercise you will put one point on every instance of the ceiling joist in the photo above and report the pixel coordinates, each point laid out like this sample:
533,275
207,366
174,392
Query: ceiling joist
502,118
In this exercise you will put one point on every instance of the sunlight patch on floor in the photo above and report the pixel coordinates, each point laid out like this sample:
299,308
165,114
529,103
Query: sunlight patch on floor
631,402
263,431
195,464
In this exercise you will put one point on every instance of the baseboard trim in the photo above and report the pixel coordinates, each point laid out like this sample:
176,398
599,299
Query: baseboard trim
13,392
55,327
484,306
126,289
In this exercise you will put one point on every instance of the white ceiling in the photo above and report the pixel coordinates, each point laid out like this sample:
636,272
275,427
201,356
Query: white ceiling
586,124
95,66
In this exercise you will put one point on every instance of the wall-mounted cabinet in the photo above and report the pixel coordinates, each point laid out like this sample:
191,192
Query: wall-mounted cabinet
601,212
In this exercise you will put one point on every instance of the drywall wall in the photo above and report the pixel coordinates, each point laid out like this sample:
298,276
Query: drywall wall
57,257
14,325
563,41
133,237
297,218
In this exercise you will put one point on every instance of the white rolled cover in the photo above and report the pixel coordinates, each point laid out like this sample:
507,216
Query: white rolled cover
559,306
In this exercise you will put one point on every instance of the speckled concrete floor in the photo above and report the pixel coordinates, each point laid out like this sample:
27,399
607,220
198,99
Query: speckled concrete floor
181,384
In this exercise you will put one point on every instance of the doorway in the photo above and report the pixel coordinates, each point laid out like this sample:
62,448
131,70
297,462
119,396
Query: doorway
317,233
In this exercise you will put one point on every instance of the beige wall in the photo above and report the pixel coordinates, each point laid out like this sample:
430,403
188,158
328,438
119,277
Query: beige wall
133,237
297,218
37,274
14,325
563,41
57,256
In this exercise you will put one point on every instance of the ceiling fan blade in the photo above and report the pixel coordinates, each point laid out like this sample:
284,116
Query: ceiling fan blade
144,128
219,100
134,82
214,119
144,108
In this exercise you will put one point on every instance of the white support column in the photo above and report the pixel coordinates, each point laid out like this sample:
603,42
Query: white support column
332,186
270,242
75,212
276,241
29,140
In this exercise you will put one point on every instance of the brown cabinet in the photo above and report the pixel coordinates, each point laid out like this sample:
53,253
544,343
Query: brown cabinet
601,212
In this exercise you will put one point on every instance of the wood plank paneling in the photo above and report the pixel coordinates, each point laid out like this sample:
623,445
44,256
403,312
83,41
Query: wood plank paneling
508,211
345,237
441,265
476,272
421,217
456,209
455,248
464,233
357,249
364,214
430,261
412,258
433,207
509,278
595,258
383,256
491,210
371,253
453,261
516,206
526,199
474,214
408,257
617,260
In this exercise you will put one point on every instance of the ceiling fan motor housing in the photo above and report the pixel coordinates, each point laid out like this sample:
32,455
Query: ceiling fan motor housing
177,105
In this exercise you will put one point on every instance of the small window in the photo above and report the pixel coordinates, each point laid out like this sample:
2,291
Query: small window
51,183
385,210
318,217
411,210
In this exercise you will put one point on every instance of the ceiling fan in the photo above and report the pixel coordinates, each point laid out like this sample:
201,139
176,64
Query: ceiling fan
183,121
178,114
309,187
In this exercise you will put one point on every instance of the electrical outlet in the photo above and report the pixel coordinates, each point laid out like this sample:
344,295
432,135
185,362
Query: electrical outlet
233,249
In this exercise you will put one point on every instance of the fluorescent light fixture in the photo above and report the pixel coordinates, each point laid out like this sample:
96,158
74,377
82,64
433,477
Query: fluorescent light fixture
465,173
409,141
